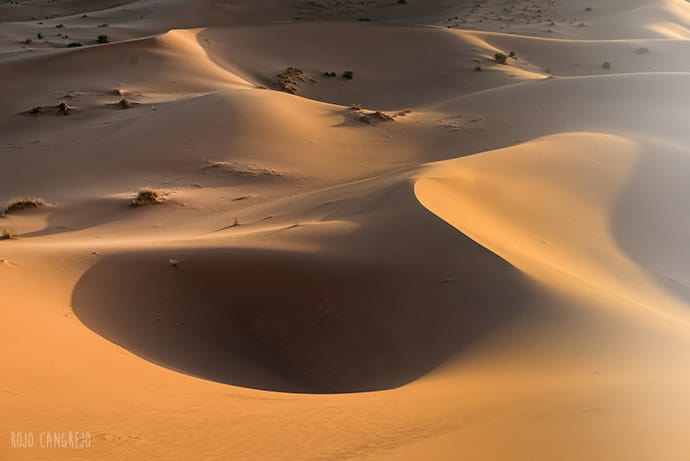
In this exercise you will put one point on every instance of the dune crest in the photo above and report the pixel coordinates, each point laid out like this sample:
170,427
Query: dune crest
547,206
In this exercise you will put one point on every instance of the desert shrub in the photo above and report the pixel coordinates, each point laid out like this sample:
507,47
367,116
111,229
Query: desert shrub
7,234
348,74
22,204
102,39
606,65
146,196
289,79
74,44
501,58
64,108
376,117
125,103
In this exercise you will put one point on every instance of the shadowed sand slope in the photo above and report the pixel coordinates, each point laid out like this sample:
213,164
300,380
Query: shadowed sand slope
650,216
372,317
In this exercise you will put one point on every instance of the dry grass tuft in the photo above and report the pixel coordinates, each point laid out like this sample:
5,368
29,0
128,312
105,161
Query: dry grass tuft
289,79
7,234
125,103
64,108
146,196
24,203
376,117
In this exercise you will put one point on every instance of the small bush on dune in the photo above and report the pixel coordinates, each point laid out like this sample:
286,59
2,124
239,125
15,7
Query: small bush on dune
102,39
501,58
74,45
22,204
348,74
290,79
146,196
375,117
125,103
7,234
64,108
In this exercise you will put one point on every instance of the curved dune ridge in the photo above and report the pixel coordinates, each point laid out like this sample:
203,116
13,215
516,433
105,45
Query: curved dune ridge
551,206
441,257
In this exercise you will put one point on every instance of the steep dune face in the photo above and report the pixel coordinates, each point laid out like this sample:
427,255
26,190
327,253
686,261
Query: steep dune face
650,215
547,207
358,314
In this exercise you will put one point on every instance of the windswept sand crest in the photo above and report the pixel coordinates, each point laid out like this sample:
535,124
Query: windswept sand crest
549,206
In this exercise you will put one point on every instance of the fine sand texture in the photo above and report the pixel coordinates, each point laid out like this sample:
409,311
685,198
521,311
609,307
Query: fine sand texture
345,230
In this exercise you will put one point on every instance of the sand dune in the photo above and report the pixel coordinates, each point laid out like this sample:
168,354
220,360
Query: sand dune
442,257
388,78
505,193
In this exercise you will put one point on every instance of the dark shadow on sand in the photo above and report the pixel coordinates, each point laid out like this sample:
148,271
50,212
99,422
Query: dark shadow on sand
369,312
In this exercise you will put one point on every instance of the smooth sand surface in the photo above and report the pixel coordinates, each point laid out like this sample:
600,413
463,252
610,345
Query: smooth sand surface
426,261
